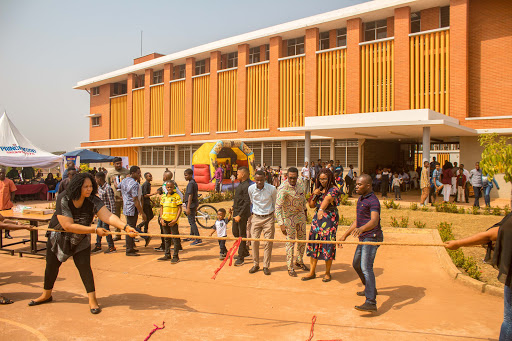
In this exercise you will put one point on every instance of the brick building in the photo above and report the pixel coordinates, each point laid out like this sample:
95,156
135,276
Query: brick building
367,84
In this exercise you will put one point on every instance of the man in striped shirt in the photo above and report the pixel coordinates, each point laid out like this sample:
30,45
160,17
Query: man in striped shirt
106,194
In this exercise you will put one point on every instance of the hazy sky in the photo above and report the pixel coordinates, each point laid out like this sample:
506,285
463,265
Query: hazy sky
46,47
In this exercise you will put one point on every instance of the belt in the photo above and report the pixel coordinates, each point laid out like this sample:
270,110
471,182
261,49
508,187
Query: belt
264,215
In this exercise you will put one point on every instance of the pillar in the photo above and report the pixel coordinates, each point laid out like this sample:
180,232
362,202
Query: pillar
241,90
148,79
168,68
426,144
189,89
333,37
276,51
214,90
354,37
310,83
307,146
401,68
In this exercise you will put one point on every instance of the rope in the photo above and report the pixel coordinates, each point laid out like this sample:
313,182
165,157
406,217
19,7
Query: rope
303,241
229,256
312,328
154,330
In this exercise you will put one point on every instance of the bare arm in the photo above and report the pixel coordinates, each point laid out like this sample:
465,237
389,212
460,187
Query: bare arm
180,209
111,219
476,239
137,204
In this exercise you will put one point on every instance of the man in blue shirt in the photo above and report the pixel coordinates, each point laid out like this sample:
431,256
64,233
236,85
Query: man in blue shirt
368,229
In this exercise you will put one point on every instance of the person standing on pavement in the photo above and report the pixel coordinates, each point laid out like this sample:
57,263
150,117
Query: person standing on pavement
349,179
219,175
241,212
306,175
65,183
106,194
367,228
170,211
7,191
263,199
424,183
130,190
191,202
291,213
114,178
146,200
460,181
475,177
466,187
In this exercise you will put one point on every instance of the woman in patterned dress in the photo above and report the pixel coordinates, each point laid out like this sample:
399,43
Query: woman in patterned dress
325,198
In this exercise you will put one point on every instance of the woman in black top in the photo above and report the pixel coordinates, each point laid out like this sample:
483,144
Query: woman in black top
75,210
50,181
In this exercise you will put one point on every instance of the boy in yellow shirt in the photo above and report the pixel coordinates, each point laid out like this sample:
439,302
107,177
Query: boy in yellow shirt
170,212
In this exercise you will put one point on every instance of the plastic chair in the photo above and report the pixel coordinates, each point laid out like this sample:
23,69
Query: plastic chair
53,192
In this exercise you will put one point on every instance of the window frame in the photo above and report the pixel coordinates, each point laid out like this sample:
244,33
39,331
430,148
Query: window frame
254,55
149,155
94,118
416,20
377,25
323,41
158,77
341,32
446,11
201,65
297,44
95,91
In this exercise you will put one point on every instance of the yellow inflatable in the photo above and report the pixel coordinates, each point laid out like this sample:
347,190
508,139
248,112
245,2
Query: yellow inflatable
212,153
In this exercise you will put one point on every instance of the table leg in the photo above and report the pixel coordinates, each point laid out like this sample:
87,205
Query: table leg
2,246
34,239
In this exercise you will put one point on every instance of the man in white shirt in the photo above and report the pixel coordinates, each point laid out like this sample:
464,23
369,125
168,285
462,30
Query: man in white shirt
414,178
263,199
466,188
306,176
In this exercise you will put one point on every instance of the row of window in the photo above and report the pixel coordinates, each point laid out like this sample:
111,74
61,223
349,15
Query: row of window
269,153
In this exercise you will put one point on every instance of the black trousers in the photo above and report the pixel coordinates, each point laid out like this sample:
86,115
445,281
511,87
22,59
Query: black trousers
149,214
171,229
130,242
384,186
240,230
82,261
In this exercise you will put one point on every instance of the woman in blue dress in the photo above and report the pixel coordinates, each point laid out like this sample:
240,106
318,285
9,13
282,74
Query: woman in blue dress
325,198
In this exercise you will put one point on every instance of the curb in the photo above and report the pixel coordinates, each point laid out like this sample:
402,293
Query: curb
456,274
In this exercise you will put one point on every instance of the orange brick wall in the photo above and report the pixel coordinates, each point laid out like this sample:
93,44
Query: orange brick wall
146,58
100,104
430,18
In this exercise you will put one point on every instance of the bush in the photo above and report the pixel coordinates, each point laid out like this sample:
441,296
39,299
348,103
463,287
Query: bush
391,205
424,209
446,207
414,206
506,209
344,221
419,224
462,210
487,211
403,222
496,211
344,200
214,197
473,210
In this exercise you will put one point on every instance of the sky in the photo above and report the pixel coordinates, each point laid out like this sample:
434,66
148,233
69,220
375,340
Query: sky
46,47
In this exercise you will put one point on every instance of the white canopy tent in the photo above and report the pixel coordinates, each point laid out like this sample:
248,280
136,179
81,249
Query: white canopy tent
17,151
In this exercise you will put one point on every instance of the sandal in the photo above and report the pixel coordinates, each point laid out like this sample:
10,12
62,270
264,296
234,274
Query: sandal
327,279
302,266
292,273
308,278
33,303
5,301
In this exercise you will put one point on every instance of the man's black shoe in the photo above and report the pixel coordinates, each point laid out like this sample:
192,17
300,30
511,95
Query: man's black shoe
132,254
160,249
253,269
361,293
148,239
370,308
175,260
266,271
164,258
239,262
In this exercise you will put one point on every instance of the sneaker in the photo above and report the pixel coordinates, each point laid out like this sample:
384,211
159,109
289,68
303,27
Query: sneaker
239,262
159,249
96,249
111,250
361,293
175,260
266,271
197,242
254,269
164,258
222,256
132,254
367,307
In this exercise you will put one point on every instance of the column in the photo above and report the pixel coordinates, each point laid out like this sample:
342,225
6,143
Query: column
401,68
241,91
459,59
426,144
354,37
129,106
148,79
307,146
310,83
168,68
333,37
276,50
214,90
189,89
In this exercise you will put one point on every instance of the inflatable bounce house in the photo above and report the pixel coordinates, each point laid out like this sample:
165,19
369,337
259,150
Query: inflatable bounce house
206,159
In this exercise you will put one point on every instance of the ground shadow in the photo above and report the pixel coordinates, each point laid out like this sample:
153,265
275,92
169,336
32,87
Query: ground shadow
23,278
137,301
398,297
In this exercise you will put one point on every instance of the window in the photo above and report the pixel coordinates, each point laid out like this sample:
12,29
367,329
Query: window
445,16
178,72
158,77
294,153
267,52
200,67
256,149
347,152
185,154
254,55
95,121
139,81
272,153
375,30
320,149
324,41
232,59
295,46
119,89
157,156
415,22
341,37
95,91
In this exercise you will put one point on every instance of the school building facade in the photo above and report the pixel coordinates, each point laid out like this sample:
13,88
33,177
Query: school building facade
368,84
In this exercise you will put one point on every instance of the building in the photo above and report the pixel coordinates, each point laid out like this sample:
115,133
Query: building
367,84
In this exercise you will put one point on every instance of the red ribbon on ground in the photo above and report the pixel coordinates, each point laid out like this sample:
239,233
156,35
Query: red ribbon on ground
154,330
230,255
312,328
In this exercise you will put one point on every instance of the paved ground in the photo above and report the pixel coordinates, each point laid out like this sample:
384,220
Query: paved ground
417,301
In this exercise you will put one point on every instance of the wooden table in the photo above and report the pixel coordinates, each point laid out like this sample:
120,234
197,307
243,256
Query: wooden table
33,219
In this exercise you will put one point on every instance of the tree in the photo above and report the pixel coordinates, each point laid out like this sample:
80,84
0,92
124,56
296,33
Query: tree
497,156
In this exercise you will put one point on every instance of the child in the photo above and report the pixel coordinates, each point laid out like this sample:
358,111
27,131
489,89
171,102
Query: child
170,212
221,228
397,182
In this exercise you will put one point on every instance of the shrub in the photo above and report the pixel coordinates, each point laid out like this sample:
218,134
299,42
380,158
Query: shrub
506,209
344,221
446,207
474,210
403,222
414,206
462,210
391,205
496,211
487,211
424,209
419,224
344,200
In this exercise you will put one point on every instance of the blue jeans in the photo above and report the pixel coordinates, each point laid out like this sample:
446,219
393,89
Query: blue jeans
487,195
363,264
110,241
506,326
477,191
194,231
